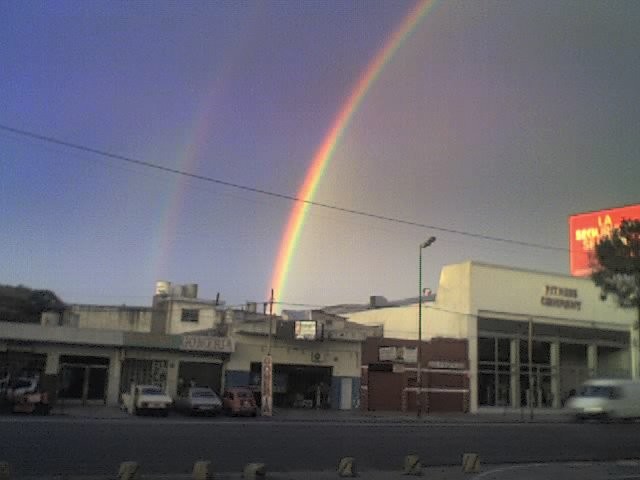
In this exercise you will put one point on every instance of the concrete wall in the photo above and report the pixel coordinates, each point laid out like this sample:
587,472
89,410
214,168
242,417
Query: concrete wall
344,357
207,318
132,319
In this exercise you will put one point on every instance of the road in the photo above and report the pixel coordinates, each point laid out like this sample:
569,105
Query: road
52,446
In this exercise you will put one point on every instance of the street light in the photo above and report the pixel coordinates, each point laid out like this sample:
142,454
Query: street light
419,375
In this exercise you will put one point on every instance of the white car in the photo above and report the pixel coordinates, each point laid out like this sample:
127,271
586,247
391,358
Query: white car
606,399
146,399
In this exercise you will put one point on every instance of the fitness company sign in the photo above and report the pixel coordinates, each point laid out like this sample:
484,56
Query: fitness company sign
560,297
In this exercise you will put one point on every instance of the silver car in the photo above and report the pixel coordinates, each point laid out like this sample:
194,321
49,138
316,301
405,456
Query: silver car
198,400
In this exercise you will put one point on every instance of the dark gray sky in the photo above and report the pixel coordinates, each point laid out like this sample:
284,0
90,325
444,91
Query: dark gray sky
498,118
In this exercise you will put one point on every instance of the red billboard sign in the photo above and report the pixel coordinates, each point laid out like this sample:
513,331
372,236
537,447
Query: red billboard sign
585,229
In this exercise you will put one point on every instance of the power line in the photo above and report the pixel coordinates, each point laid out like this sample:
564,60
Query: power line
122,158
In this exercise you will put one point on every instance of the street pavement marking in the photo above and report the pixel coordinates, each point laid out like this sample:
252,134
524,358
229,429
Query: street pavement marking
510,467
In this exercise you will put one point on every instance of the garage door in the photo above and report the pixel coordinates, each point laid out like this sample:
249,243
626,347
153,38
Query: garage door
202,373
385,391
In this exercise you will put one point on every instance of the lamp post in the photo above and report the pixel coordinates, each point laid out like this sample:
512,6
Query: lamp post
423,245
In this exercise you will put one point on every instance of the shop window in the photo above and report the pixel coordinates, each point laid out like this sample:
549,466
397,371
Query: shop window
190,315
486,349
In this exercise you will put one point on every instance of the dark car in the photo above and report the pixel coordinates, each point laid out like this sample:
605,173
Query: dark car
198,400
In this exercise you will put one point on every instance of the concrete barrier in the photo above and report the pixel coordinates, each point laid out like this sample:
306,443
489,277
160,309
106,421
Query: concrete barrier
129,471
202,470
254,471
5,472
347,467
471,463
412,465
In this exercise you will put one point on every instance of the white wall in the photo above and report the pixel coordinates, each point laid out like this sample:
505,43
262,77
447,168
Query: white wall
344,357
132,319
207,317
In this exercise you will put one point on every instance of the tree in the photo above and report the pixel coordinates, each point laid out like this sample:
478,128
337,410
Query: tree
617,271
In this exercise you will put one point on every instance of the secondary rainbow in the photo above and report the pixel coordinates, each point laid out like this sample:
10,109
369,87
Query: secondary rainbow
324,153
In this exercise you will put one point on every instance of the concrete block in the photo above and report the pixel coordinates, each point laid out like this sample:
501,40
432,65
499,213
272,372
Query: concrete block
347,467
129,471
471,463
202,470
254,471
412,465
5,473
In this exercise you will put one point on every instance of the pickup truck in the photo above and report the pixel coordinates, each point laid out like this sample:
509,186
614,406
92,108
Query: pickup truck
146,399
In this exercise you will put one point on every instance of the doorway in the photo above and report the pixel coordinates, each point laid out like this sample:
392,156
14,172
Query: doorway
83,379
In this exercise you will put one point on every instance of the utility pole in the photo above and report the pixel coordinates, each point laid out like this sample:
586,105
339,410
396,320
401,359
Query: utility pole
419,352
267,370
270,322
530,348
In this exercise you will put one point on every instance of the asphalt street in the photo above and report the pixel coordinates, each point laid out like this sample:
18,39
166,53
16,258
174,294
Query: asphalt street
41,446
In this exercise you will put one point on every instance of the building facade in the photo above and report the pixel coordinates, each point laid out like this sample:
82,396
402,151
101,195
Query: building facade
533,337
91,354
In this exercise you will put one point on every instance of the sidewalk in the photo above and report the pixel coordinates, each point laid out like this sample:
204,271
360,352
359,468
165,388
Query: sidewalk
301,415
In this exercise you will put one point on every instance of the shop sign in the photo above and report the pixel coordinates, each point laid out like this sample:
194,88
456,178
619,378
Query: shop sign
387,354
398,354
586,229
560,297
206,343
446,365
266,387
305,330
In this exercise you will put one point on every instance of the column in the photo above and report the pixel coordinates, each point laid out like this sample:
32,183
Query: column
113,384
555,374
634,350
53,363
592,360
514,360
473,364
172,376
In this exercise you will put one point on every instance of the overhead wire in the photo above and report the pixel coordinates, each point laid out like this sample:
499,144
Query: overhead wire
284,196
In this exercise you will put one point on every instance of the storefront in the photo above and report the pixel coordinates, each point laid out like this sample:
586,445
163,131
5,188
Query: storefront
390,381
532,337
94,367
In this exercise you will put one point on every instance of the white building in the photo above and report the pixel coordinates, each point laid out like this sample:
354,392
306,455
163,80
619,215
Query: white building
574,334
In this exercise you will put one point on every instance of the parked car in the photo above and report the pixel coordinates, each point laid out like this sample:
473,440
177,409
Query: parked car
198,400
24,394
239,401
146,399
604,399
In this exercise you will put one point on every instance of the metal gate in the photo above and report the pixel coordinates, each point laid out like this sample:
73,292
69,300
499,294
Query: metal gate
143,372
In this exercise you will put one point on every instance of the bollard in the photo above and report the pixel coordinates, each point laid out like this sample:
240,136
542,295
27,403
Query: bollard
202,470
412,465
253,471
347,467
4,471
471,463
128,471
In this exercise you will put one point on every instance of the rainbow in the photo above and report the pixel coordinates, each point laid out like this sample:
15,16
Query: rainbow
323,155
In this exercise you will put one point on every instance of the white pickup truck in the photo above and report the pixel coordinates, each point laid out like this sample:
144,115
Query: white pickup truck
146,399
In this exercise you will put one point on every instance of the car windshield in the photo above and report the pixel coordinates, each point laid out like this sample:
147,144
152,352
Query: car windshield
597,391
152,391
